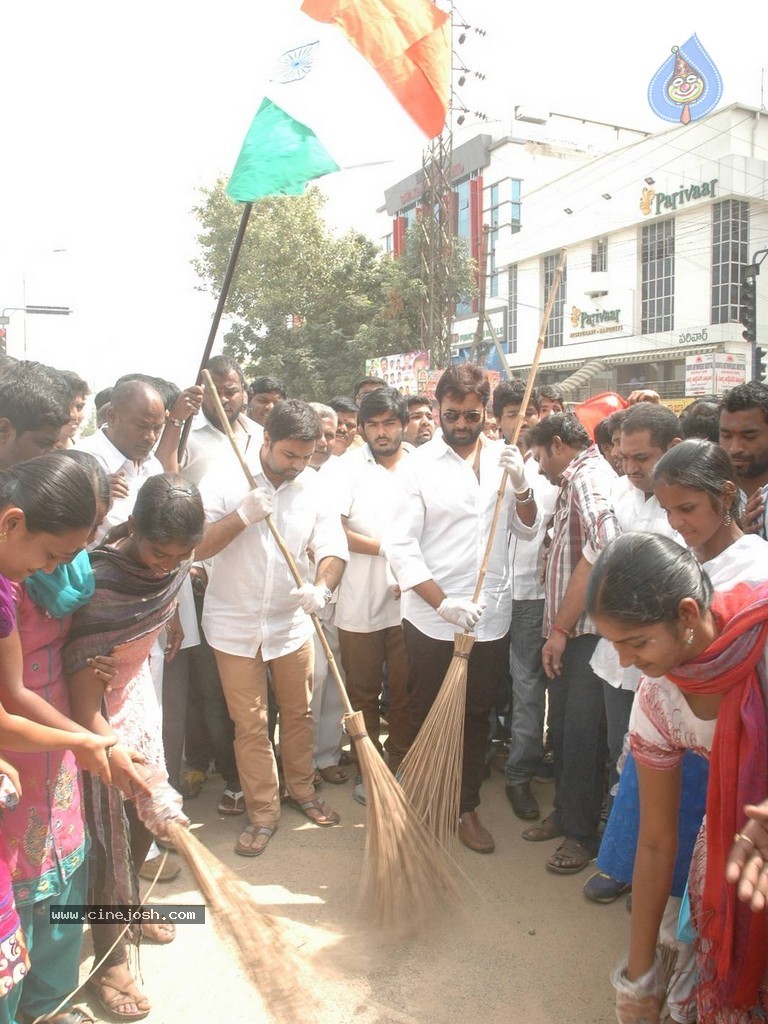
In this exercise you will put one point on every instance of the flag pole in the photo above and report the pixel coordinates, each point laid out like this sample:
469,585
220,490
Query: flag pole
225,285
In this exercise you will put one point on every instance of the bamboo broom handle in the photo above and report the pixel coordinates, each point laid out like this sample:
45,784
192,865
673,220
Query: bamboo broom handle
520,419
227,428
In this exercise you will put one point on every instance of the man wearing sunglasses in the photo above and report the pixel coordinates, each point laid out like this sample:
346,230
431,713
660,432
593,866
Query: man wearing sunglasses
435,546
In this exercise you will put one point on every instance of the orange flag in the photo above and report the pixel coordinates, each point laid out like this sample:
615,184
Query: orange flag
408,44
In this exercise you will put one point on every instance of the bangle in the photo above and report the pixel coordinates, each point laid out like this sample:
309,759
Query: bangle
527,497
175,422
554,628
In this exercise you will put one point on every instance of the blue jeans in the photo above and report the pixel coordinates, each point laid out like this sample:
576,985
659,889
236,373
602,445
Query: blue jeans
529,689
618,707
577,729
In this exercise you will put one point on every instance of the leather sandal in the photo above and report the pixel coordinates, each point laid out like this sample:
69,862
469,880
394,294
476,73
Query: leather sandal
111,995
547,829
335,775
256,842
570,858
318,812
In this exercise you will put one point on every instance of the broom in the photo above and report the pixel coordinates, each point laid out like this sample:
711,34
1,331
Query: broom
270,961
407,876
430,772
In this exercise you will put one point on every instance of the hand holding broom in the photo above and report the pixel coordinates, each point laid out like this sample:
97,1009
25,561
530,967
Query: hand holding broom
431,770
407,877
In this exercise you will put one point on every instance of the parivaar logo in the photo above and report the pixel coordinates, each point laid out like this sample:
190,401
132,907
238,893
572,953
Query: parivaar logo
687,86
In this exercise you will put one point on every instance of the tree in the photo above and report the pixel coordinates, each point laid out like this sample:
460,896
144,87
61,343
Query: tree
310,306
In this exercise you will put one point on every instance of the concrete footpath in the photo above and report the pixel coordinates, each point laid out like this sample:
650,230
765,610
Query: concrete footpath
529,948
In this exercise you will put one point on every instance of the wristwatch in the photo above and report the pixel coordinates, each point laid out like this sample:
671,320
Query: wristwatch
327,594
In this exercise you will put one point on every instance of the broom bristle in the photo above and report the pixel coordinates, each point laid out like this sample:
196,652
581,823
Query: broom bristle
431,770
408,878
269,959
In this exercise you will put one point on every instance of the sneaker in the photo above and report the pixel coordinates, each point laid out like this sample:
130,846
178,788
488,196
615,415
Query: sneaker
601,888
359,791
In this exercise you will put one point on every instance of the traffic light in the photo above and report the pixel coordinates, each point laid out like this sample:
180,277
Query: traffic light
760,363
748,301
3,342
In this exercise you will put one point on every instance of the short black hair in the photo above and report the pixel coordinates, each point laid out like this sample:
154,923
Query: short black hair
413,400
512,392
603,433
369,380
263,385
701,419
381,401
551,391
103,397
295,419
461,381
752,395
615,420
340,403
32,396
76,383
563,425
662,424
222,366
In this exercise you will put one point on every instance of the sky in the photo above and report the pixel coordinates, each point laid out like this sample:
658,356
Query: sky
113,116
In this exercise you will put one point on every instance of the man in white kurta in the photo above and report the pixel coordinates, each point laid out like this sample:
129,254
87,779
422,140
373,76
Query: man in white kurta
255,615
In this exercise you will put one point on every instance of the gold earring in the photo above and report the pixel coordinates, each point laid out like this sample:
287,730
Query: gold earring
3,537
689,637
727,518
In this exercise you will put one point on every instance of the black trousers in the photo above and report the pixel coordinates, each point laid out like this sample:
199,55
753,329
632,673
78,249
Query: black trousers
487,665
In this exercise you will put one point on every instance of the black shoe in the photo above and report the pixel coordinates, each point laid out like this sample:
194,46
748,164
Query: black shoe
523,801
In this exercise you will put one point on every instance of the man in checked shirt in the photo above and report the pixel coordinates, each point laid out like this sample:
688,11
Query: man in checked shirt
582,525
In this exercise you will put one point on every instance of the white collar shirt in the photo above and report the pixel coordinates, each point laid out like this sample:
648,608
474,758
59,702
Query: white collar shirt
367,494
208,446
113,461
525,554
248,604
440,530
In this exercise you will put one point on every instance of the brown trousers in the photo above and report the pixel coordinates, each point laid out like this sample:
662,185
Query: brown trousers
363,656
244,681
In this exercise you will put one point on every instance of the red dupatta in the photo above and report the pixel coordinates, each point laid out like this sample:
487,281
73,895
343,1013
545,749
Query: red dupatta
736,963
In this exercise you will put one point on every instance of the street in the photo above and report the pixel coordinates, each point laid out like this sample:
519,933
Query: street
528,948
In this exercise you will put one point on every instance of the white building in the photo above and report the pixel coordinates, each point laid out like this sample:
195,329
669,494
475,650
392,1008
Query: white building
656,227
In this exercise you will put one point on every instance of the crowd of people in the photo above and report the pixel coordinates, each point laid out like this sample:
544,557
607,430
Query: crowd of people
152,633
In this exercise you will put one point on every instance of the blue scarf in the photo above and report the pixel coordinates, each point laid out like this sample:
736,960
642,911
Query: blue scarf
67,588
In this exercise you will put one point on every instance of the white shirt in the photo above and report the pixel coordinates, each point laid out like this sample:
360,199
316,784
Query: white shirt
440,529
248,604
208,446
525,554
635,513
113,461
367,495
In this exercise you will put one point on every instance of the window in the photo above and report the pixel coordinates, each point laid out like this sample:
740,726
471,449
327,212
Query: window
599,255
554,335
658,277
730,248
512,310
502,203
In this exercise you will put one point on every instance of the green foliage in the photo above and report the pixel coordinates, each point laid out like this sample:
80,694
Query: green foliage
309,306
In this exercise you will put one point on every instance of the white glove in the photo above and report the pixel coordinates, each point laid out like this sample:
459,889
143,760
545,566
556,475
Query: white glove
255,506
461,612
639,1002
312,597
512,461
